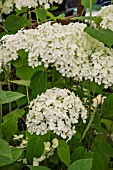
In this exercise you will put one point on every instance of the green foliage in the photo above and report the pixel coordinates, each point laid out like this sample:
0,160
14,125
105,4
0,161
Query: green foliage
10,121
35,148
9,96
82,164
78,153
38,168
38,82
97,162
8,154
41,14
102,35
108,106
64,152
14,23
86,3
97,122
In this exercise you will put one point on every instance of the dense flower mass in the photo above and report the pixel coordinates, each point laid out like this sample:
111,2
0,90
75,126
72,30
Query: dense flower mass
57,110
106,13
72,51
8,5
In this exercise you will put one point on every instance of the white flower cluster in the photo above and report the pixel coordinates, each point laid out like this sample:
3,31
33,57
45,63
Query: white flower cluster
72,51
8,5
57,110
48,151
106,13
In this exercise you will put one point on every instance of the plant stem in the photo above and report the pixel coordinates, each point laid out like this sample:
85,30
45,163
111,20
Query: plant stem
90,13
89,124
0,106
27,94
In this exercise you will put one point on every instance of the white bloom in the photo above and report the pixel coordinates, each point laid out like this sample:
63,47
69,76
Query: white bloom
98,100
59,106
47,146
35,161
24,161
55,143
72,51
8,5
17,137
106,13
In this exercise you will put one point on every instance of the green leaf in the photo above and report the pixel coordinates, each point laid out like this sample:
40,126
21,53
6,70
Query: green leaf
51,16
10,97
15,152
78,153
61,16
102,35
5,150
35,148
2,95
25,72
108,106
97,162
38,167
13,23
38,82
64,152
97,122
53,8
83,164
10,121
106,149
41,14
21,82
86,3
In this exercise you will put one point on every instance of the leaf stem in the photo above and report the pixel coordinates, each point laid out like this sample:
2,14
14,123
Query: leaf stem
89,124
90,13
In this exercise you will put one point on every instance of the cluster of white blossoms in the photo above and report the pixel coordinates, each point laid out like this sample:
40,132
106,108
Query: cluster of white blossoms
48,151
8,5
57,110
106,13
72,51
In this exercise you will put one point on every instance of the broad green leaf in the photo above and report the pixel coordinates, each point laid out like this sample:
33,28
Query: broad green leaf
41,14
10,121
2,94
38,82
97,162
38,167
13,166
102,35
82,164
15,152
86,3
25,72
13,23
106,149
35,148
64,152
54,158
5,150
10,97
97,122
78,153
108,106
21,82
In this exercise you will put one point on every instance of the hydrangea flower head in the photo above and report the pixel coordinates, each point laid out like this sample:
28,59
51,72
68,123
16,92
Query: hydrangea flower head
106,13
67,47
57,110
